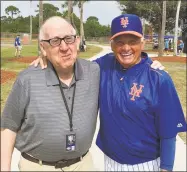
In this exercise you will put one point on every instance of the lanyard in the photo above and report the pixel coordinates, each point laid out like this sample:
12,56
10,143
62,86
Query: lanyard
70,115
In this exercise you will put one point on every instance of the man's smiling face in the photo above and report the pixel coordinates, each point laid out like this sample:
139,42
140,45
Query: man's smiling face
127,49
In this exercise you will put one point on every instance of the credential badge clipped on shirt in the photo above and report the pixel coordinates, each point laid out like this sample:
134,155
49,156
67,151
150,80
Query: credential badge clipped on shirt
70,142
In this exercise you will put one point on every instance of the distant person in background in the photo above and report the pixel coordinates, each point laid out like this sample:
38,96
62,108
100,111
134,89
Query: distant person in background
18,46
155,44
166,46
170,45
178,43
180,47
84,44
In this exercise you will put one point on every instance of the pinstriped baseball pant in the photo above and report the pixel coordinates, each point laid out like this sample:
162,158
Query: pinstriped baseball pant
111,165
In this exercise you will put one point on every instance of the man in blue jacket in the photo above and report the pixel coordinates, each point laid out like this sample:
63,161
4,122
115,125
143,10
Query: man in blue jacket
140,112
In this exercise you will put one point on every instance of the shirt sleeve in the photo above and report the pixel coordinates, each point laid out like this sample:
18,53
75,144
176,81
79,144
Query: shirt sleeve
167,153
98,61
103,61
13,112
169,114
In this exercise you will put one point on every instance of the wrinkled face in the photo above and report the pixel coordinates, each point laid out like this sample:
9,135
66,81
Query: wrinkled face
127,49
62,56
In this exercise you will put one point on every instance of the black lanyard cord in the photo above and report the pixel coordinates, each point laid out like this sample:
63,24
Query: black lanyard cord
70,115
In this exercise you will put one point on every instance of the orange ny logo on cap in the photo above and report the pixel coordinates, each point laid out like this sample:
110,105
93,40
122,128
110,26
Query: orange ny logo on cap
135,92
124,21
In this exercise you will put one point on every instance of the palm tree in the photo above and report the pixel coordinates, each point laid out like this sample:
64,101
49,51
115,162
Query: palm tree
12,10
70,10
30,21
40,20
40,13
70,5
80,5
176,27
161,45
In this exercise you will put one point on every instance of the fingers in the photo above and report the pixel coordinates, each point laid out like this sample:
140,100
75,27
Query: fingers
36,62
40,60
32,63
154,65
161,68
157,65
43,62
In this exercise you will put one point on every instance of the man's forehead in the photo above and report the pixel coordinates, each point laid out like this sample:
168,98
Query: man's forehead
58,30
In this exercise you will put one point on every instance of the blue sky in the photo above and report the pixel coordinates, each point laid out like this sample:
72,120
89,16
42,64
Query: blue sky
105,11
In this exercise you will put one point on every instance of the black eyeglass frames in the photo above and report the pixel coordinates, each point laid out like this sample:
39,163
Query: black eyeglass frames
57,41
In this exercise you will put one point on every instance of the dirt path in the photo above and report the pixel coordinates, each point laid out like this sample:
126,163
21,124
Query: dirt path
6,76
24,59
170,59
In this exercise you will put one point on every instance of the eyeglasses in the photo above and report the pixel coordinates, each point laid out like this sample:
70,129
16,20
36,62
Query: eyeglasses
57,41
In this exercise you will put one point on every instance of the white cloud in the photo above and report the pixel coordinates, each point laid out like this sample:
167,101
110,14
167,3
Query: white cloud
105,11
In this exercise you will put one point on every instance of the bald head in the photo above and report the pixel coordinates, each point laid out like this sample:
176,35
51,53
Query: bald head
55,23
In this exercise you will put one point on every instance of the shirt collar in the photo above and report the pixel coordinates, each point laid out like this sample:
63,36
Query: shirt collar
51,78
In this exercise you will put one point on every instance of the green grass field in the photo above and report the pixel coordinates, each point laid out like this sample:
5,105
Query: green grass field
8,52
178,73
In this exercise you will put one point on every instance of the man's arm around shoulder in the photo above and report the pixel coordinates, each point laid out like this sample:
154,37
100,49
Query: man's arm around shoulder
8,138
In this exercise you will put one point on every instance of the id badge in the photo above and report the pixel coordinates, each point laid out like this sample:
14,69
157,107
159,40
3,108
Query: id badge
71,142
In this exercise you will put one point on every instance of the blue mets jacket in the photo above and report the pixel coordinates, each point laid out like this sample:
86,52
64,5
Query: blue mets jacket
138,107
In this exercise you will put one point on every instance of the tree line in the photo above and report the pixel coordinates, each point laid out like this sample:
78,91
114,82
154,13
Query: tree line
14,22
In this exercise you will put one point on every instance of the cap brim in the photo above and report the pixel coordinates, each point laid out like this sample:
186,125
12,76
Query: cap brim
127,32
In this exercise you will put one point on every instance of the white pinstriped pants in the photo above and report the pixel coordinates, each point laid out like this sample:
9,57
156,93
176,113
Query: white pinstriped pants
111,165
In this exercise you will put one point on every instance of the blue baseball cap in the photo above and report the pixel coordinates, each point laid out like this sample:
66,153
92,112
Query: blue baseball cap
126,24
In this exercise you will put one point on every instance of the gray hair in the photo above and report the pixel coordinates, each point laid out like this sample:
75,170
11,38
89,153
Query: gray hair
51,20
